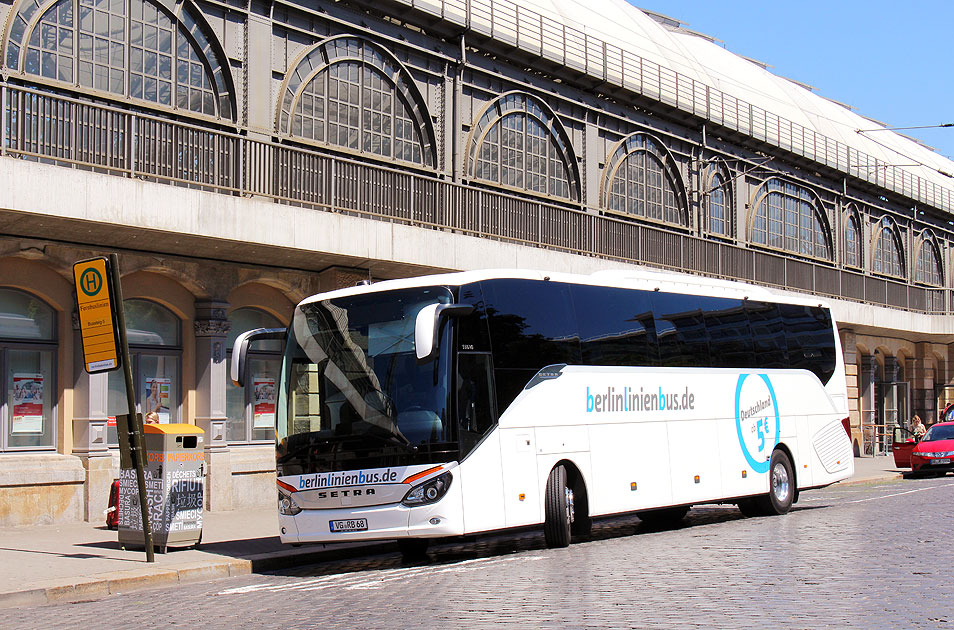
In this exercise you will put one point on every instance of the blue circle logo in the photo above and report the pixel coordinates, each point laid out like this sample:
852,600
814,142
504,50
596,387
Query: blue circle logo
756,419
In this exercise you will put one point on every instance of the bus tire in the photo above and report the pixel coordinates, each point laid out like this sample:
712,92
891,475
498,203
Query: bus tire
558,509
413,549
663,516
781,492
781,483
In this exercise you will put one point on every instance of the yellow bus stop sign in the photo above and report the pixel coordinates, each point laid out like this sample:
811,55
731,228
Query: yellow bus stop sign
95,308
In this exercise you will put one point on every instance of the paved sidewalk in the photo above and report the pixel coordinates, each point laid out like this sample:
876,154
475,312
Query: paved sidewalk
84,561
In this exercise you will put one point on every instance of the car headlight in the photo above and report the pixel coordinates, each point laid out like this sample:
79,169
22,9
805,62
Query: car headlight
428,492
935,455
287,504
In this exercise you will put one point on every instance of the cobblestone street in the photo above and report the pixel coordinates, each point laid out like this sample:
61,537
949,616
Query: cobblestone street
871,556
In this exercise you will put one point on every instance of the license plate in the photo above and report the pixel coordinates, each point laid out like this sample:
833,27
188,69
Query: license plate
941,461
351,525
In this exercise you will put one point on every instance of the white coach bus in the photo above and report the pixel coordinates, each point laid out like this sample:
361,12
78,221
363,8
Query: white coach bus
470,402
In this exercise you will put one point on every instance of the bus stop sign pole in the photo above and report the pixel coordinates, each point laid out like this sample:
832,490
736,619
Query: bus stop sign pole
99,300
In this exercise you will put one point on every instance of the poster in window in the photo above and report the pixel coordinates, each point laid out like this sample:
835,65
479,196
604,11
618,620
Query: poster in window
264,403
27,403
157,400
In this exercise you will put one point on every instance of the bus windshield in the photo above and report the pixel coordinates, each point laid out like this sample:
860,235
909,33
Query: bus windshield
355,395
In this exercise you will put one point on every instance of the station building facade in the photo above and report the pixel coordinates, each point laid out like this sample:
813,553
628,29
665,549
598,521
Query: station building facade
240,156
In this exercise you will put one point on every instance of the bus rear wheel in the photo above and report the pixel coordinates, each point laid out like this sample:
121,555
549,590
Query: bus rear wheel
558,509
781,492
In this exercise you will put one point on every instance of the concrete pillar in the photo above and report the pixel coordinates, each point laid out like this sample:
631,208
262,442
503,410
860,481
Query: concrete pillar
850,352
90,443
211,371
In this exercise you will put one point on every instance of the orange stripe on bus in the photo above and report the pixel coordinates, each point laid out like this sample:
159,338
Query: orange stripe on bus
423,473
286,486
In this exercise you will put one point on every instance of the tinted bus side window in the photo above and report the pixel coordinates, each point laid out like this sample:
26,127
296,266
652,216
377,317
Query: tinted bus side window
810,339
475,405
472,334
616,326
531,326
768,335
730,337
681,330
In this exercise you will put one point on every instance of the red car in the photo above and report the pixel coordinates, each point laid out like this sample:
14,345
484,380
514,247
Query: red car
932,454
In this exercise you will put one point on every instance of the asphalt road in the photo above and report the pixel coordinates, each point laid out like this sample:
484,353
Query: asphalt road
869,556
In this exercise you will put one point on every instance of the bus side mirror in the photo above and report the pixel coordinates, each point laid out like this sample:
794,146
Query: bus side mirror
428,324
240,350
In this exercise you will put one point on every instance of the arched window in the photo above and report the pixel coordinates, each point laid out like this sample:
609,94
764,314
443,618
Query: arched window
28,363
853,254
131,48
519,142
351,93
928,269
251,410
789,217
644,182
155,348
718,203
888,252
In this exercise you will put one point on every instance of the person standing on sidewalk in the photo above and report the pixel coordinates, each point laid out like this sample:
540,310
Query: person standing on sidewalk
917,427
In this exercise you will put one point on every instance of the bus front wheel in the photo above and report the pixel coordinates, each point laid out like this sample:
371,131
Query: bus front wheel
558,509
781,492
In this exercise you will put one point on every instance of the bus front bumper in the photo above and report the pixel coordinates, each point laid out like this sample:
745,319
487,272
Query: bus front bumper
382,522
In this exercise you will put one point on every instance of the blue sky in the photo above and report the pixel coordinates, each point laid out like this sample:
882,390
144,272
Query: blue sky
892,61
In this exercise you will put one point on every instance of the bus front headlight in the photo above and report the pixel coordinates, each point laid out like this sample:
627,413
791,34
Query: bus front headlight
287,505
428,492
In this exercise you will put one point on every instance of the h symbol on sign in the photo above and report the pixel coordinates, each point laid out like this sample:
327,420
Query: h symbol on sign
91,282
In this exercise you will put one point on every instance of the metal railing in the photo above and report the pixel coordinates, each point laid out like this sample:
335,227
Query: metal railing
876,439
54,129
516,26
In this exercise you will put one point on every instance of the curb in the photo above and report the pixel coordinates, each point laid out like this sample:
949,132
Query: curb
102,585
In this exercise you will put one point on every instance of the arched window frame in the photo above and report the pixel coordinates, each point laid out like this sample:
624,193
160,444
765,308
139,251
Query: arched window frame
790,200
888,234
244,431
186,20
316,61
527,107
853,224
27,436
719,207
167,353
928,268
657,153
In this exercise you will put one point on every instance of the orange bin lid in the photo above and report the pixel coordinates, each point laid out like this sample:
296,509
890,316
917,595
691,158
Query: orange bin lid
173,429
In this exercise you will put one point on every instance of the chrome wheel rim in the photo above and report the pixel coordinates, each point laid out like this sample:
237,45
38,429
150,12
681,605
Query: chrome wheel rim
570,510
780,483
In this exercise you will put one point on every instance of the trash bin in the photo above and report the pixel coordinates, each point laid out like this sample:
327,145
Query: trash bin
175,485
